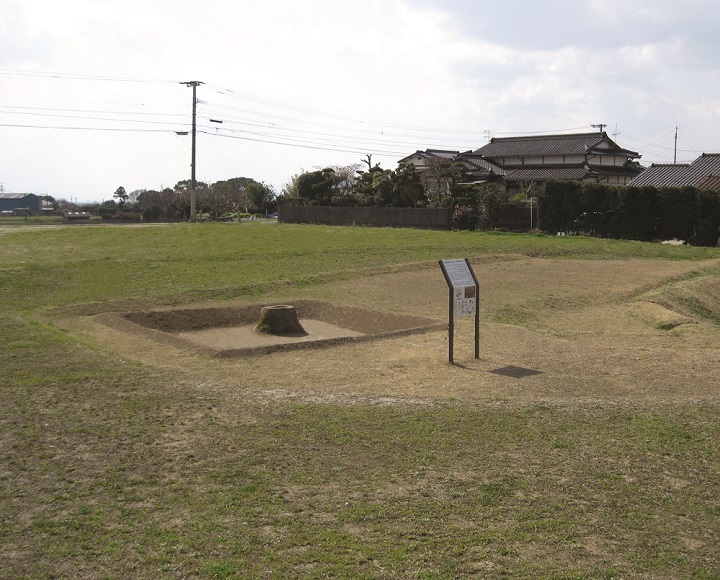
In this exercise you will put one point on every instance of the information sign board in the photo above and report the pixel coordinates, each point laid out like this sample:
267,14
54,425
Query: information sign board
458,272
462,282
463,291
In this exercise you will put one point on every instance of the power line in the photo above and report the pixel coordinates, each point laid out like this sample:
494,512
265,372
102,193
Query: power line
82,77
67,128
453,138
363,136
289,139
267,121
95,118
301,145
20,109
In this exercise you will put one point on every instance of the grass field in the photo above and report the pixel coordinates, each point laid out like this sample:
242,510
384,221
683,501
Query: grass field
121,458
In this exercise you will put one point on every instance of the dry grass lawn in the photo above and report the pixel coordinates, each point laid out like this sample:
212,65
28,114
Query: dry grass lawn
592,331
582,443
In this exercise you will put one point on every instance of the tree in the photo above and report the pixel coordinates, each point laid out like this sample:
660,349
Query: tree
375,187
121,195
343,179
315,187
491,199
441,175
181,204
231,195
133,195
407,187
260,196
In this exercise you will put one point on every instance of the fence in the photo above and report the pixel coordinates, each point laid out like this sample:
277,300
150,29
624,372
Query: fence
391,217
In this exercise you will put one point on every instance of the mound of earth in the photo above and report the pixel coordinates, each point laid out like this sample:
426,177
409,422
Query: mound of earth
697,297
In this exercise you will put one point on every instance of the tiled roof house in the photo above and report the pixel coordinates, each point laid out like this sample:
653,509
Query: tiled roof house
433,164
522,161
580,156
703,173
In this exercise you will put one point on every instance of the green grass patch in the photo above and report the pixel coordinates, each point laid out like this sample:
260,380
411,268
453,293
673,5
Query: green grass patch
181,262
112,469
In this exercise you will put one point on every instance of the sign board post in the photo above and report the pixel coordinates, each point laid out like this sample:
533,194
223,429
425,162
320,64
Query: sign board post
464,293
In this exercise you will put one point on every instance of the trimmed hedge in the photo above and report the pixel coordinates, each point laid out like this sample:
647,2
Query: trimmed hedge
632,213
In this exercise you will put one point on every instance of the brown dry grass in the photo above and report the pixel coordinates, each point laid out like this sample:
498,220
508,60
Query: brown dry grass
593,330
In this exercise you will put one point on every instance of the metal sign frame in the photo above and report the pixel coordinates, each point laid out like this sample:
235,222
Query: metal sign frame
458,273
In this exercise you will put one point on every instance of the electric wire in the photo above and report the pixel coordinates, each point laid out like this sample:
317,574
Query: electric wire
64,127
271,121
83,77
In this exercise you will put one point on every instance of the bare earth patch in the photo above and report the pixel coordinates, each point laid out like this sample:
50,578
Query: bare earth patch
559,331
229,330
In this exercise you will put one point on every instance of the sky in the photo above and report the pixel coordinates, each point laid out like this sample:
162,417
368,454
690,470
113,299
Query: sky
92,93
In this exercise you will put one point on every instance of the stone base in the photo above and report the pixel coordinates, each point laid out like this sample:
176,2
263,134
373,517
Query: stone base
280,320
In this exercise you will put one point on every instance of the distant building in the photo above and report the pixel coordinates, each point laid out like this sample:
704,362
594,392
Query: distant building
519,162
24,202
438,167
76,216
703,173
592,157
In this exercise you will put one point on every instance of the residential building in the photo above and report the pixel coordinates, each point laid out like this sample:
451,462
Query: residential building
533,159
438,168
703,173
520,162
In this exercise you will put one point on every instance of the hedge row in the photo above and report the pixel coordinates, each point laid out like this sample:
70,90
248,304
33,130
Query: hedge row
634,213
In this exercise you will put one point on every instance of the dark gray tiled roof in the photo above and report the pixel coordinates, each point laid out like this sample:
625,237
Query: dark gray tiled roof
442,153
480,163
681,174
712,183
438,153
661,175
539,145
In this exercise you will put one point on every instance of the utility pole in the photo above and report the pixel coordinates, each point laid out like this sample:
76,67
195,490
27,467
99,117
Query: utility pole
600,126
194,85
675,152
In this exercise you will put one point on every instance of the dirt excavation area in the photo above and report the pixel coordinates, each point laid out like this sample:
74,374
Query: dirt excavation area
551,330
231,331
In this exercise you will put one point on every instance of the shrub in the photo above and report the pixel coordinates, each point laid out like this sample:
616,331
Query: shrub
152,213
343,201
464,217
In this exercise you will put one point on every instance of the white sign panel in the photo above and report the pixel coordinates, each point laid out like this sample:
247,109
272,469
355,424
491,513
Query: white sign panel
459,273
464,301
463,287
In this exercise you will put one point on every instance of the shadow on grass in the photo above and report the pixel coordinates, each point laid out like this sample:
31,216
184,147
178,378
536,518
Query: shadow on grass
514,372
